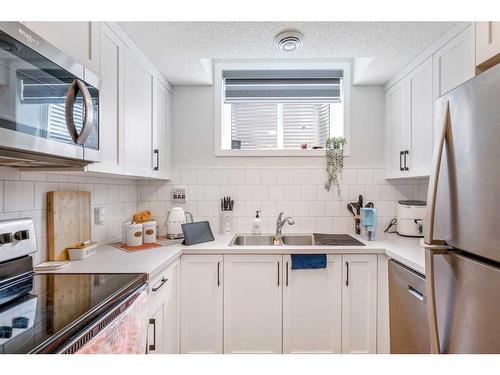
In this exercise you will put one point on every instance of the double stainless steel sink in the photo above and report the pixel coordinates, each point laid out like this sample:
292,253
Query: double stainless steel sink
299,239
268,240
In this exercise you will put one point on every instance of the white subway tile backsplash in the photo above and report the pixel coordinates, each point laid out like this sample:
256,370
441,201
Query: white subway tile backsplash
285,176
212,192
308,224
188,176
308,192
301,176
324,224
349,176
57,177
18,195
41,188
244,192
236,176
317,176
317,208
276,192
163,192
300,208
220,176
1,196
365,176
269,176
260,192
195,192
101,194
388,193
292,192
204,176
9,173
252,176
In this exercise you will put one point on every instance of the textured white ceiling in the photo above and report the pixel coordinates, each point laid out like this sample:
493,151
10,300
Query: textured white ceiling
183,51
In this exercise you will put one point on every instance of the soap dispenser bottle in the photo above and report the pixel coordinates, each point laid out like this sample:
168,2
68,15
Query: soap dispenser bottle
257,224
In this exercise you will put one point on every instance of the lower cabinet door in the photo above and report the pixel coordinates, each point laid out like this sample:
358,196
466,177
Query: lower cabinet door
172,321
201,303
253,303
312,307
359,303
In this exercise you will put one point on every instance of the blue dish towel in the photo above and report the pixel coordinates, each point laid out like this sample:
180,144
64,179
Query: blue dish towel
308,261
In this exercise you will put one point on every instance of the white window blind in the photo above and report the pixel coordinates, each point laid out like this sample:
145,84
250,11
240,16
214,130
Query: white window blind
281,109
57,122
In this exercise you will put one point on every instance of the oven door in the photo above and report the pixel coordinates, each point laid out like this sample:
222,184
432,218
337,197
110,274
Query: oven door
48,106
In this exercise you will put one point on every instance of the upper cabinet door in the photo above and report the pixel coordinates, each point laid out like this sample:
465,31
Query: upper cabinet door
161,132
201,303
111,103
487,44
397,128
252,304
359,304
312,307
138,117
454,62
420,119
80,40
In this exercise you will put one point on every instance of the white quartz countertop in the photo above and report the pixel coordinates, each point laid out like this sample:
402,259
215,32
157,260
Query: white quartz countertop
109,259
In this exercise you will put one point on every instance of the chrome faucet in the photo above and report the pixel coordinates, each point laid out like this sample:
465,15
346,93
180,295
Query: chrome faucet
280,223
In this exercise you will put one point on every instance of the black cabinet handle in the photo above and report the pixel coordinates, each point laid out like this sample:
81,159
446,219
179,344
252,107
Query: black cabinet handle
160,284
347,274
278,273
401,154
407,153
156,153
153,322
286,273
218,273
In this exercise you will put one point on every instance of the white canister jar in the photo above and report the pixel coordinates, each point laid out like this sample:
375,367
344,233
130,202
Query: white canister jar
149,231
134,235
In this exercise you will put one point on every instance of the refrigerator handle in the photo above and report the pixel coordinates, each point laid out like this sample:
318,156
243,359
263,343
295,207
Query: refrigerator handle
434,179
431,301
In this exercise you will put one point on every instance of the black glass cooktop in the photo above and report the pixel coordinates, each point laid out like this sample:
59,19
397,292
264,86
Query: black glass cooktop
58,306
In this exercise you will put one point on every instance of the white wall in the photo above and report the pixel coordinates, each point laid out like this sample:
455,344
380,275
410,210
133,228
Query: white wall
23,194
193,132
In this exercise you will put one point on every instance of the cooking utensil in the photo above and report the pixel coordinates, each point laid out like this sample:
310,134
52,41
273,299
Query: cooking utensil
370,205
351,209
360,202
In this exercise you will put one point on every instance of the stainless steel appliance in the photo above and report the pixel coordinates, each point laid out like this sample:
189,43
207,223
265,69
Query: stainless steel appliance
411,218
62,313
49,104
407,309
462,236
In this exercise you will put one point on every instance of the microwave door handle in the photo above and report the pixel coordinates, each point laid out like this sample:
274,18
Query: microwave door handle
79,138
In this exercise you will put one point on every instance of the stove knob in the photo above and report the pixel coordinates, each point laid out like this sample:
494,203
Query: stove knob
22,235
6,238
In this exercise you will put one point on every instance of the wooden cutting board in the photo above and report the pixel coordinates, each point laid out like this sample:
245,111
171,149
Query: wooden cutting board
68,221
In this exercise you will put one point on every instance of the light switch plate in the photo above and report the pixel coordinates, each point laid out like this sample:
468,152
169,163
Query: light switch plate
99,215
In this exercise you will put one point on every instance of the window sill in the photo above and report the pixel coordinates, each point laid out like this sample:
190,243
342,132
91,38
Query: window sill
275,153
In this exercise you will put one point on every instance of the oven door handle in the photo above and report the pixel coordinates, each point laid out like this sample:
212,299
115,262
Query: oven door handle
76,86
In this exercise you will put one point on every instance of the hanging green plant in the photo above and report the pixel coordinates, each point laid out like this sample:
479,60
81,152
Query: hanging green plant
334,161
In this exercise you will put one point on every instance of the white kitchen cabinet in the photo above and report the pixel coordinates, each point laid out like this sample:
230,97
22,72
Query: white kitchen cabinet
487,44
397,132
454,63
138,117
161,131
80,40
359,303
164,306
253,303
312,307
201,303
420,104
110,103
409,112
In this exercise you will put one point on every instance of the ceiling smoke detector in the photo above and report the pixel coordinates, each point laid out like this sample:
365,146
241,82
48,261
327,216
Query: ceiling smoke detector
288,41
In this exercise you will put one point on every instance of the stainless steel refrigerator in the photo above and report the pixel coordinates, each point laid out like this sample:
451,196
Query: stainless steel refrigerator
463,220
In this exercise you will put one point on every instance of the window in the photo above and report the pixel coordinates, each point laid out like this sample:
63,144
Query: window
279,112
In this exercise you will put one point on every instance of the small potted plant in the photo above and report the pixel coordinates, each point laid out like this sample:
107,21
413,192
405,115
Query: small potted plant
334,161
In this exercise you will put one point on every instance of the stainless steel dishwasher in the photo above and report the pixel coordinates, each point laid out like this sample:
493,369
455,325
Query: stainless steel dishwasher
407,309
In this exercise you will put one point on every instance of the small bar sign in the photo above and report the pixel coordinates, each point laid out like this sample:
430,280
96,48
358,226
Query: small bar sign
179,194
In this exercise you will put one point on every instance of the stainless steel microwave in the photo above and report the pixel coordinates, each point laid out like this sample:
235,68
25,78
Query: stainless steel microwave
49,104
